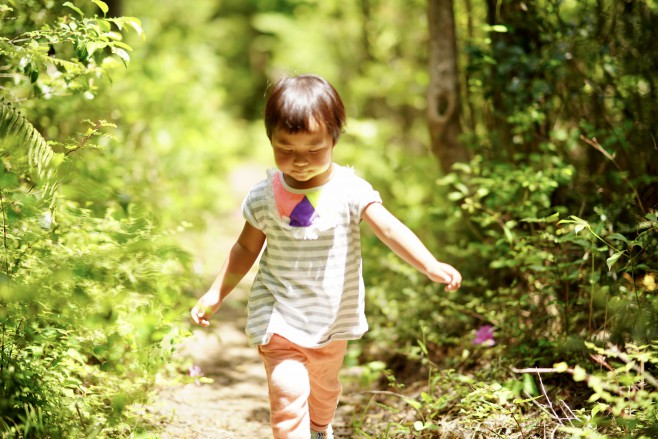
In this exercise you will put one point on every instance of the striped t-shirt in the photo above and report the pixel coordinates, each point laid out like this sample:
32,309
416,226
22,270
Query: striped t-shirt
309,288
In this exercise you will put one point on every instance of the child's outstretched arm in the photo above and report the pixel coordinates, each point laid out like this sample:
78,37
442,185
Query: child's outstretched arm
399,238
244,253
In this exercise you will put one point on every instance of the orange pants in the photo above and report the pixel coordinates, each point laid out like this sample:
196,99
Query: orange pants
303,385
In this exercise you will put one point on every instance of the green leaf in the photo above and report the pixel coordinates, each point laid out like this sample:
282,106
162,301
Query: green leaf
8,181
613,259
102,5
580,223
121,54
498,28
546,219
561,367
58,159
455,196
76,9
413,403
93,46
620,237
529,385
135,24
552,218
462,188
508,234
599,408
122,45
579,374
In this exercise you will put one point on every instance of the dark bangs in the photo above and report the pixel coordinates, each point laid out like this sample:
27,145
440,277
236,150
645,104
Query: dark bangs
298,104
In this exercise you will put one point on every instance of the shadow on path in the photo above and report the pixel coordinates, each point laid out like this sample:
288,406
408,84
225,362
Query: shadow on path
235,404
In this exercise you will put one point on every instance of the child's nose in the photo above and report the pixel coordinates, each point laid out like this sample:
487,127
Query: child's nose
300,159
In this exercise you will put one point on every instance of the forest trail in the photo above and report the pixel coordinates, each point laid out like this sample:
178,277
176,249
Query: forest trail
234,404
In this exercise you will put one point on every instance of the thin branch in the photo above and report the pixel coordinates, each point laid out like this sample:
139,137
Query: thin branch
550,404
4,231
518,425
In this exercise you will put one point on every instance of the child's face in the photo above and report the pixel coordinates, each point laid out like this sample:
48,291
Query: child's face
304,157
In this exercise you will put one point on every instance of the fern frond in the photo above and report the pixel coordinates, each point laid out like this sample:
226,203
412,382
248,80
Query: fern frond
15,127
70,66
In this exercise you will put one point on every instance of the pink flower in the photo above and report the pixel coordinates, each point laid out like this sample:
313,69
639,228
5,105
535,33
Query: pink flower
485,336
195,371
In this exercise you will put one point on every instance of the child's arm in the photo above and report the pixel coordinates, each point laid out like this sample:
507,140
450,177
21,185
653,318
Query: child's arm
244,253
408,246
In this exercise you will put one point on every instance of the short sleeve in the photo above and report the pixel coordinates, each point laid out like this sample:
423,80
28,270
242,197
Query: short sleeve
254,207
248,213
369,196
363,195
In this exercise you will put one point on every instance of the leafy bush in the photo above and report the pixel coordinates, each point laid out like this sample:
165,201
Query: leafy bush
552,284
89,290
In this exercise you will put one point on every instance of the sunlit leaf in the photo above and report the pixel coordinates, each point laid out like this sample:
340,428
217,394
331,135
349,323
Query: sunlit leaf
102,5
75,8
529,385
413,403
121,54
579,374
613,259
561,367
135,23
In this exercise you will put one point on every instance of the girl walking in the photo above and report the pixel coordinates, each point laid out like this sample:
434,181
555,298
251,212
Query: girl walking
307,299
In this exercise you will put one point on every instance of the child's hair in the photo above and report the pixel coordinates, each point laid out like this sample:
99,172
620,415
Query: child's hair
297,103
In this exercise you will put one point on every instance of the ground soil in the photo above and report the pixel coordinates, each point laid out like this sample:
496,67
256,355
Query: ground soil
234,403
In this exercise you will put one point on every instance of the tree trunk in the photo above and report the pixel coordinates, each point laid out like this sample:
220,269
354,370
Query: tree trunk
443,94
115,8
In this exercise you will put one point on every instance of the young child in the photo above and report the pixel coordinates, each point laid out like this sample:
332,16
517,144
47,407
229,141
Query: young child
307,298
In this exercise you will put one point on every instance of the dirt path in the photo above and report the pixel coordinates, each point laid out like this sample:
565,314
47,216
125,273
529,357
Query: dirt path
234,404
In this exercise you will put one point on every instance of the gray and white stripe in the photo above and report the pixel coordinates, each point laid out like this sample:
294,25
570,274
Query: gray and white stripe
309,290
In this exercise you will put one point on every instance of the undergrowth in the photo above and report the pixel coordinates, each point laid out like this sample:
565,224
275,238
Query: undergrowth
90,291
566,301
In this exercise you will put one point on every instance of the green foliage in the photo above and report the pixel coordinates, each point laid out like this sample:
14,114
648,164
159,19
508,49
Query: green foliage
89,292
16,130
456,404
549,286
85,304
63,55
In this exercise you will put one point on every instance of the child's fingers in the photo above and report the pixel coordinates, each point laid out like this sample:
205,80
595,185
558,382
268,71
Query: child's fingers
199,317
454,279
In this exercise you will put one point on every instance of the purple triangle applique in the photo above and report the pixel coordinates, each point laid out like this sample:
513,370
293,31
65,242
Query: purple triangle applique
303,214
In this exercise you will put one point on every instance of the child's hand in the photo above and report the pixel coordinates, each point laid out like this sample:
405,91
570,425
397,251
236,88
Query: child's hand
200,315
202,312
445,274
